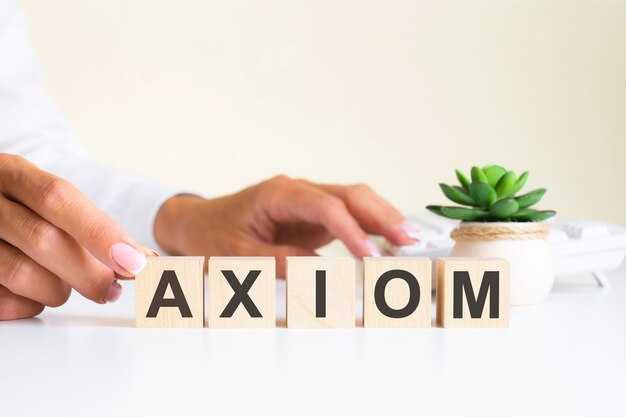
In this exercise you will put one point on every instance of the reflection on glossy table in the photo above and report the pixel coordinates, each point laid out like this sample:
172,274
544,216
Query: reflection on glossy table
566,356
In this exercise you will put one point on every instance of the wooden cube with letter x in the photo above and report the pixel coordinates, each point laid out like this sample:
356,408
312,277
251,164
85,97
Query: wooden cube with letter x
169,292
320,292
472,292
242,292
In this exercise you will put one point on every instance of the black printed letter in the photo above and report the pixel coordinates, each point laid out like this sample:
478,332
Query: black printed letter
476,305
320,293
241,294
414,294
169,278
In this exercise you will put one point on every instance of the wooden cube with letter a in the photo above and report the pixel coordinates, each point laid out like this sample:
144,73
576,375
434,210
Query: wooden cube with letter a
169,292
320,292
397,292
242,292
472,292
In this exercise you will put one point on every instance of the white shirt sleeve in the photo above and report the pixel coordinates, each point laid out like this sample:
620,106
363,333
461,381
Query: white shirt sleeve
33,126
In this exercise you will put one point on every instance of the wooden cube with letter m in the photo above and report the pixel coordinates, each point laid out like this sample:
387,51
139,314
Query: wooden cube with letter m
472,292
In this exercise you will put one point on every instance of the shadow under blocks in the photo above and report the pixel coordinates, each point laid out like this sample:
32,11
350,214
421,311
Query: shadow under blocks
471,292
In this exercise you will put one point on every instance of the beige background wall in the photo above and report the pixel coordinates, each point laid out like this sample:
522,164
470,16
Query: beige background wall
217,95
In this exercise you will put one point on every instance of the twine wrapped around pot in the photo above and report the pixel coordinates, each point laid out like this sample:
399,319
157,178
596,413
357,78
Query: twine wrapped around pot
500,231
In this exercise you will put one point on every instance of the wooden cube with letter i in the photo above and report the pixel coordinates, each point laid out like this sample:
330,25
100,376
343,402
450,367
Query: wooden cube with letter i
472,292
320,292
169,292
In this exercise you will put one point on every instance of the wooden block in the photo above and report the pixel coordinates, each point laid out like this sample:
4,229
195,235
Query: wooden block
242,292
472,292
169,292
320,292
397,292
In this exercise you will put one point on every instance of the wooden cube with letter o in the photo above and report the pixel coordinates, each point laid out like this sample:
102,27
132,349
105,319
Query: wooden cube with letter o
397,292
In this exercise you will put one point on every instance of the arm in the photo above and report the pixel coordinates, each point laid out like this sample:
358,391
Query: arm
33,126
281,217
52,237
278,217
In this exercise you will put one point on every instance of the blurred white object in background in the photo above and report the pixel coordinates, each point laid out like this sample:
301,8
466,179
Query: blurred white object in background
577,246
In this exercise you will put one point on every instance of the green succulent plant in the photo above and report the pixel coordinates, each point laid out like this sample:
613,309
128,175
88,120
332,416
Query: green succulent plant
490,196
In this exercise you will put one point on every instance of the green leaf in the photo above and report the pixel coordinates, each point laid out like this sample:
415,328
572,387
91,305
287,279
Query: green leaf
519,183
478,175
462,179
503,209
493,173
483,194
462,213
458,195
505,185
435,209
530,215
530,198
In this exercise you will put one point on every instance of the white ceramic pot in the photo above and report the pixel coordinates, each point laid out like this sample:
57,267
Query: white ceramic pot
531,274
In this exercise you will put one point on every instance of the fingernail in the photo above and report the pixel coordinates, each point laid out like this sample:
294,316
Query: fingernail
149,252
114,292
409,229
128,257
372,249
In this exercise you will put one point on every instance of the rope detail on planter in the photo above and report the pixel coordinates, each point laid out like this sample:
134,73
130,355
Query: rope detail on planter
490,231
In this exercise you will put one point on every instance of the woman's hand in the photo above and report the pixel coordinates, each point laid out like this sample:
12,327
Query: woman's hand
53,239
280,217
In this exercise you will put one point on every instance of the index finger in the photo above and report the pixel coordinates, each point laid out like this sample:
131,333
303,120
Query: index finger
63,205
374,213
299,201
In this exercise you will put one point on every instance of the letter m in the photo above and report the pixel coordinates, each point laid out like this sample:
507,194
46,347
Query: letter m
463,285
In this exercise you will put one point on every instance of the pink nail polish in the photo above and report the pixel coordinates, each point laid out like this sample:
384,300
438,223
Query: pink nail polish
409,229
372,248
128,257
114,292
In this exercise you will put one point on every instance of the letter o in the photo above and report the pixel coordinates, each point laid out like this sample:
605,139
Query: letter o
414,294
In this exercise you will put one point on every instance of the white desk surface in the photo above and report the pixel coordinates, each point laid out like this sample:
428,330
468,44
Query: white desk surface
564,357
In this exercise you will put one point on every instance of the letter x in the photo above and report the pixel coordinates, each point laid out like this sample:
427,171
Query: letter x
241,294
